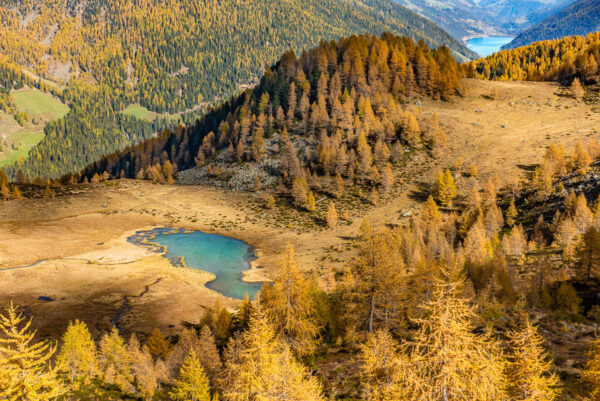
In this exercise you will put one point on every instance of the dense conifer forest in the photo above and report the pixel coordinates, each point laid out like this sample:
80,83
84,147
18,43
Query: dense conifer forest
171,57
336,111
552,60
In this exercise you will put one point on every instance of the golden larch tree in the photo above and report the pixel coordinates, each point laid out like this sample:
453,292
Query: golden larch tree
445,351
192,383
375,282
291,307
25,371
115,361
332,216
77,355
158,345
445,189
384,373
259,366
528,374
591,373
576,89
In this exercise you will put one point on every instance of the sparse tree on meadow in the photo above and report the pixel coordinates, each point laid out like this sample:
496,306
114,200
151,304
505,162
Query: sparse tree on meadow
332,216
445,189
576,89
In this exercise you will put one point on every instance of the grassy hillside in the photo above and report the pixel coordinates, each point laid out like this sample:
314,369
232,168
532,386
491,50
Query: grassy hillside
580,18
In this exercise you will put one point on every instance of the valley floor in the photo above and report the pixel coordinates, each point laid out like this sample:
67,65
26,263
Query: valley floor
77,243
77,252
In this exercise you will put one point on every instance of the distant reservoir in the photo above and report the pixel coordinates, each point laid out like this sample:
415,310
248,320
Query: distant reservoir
488,45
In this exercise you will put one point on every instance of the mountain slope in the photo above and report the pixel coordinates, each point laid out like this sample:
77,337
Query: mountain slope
470,18
580,18
551,60
172,52
335,111
172,56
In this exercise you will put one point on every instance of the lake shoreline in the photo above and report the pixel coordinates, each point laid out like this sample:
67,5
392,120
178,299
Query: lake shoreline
487,45
151,240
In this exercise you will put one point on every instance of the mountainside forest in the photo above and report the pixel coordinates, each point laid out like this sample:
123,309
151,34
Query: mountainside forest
552,60
334,112
580,18
170,57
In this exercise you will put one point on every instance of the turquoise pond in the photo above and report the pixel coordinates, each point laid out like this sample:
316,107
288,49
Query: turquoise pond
489,44
225,257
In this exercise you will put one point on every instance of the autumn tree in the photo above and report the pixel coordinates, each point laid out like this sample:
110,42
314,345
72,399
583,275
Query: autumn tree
387,180
143,369
158,345
445,350
332,216
290,306
581,159
192,383
77,355
338,186
528,373
310,202
591,372
511,213
115,362
258,366
375,282
258,146
576,89
384,371
444,188
589,255
188,342
25,371
431,214
209,354
300,192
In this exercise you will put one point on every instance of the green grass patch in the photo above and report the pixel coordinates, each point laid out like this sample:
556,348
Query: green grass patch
25,140
138,111
142,113
37,103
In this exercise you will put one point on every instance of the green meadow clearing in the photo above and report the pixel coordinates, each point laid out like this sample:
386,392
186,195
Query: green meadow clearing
142,113
40,106
37,103
26,140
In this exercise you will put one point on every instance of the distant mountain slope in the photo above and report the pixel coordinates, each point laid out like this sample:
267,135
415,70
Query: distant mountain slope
550,60
169,56
176,53
471,18
580,18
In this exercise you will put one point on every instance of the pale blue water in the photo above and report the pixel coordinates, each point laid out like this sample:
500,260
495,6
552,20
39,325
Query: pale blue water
488,45
225,257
